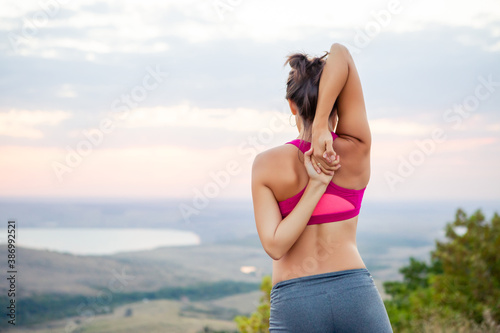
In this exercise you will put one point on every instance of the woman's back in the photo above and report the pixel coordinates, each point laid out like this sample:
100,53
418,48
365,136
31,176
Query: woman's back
322,247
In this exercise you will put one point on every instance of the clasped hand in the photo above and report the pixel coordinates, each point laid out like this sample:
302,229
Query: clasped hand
321,161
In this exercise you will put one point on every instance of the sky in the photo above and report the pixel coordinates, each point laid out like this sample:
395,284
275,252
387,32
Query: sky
173,99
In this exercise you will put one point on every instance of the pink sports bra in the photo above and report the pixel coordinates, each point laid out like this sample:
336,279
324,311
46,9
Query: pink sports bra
336,204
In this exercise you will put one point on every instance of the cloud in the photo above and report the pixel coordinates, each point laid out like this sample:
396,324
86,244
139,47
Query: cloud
226,82
116,26
494,127
24,123
401,127
67,91
188,116
464,146
147,171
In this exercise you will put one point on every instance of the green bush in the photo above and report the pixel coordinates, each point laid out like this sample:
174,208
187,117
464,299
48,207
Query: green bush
461,285
258,322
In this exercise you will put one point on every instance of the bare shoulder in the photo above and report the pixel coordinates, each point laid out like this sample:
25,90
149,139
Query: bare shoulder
270,165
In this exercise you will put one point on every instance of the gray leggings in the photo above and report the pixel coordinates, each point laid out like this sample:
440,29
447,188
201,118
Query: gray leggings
342,301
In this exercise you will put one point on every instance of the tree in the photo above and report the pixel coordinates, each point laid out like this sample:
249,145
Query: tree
258,322
462,281
411,299
470,283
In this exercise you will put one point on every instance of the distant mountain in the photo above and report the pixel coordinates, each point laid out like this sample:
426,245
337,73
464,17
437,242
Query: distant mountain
44,272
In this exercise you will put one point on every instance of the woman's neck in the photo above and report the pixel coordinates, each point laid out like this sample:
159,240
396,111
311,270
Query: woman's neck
306,134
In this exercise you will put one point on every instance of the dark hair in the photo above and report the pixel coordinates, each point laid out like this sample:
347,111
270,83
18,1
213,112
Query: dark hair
302,85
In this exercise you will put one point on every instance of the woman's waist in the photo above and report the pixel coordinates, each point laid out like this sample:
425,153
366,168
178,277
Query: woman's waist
324,258
322,243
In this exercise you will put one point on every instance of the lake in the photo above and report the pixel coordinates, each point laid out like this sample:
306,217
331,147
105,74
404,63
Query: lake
100,241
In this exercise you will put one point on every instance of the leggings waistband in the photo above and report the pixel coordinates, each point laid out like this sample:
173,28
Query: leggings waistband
312,279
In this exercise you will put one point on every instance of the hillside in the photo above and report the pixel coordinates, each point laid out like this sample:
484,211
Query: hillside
42,271
152,316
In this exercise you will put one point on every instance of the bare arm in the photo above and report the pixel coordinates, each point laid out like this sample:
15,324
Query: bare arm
340,82
276,234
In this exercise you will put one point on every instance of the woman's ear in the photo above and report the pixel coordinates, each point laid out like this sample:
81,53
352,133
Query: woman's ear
293,107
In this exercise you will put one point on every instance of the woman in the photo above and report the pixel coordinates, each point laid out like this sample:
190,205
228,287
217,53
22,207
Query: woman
306,206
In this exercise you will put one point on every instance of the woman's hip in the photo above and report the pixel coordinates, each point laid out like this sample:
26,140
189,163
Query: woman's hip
341,301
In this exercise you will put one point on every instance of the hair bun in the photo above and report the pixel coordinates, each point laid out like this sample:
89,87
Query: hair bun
297,60
299,63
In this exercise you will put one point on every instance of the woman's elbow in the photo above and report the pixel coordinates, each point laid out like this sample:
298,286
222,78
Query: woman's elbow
274,256
338,47
274,251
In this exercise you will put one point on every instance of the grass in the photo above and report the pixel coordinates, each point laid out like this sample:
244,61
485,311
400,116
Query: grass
157,316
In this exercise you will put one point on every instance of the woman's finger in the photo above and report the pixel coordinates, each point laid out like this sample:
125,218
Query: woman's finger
327,160
315,163
310,163
327,168
324,169
308,156
329,154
